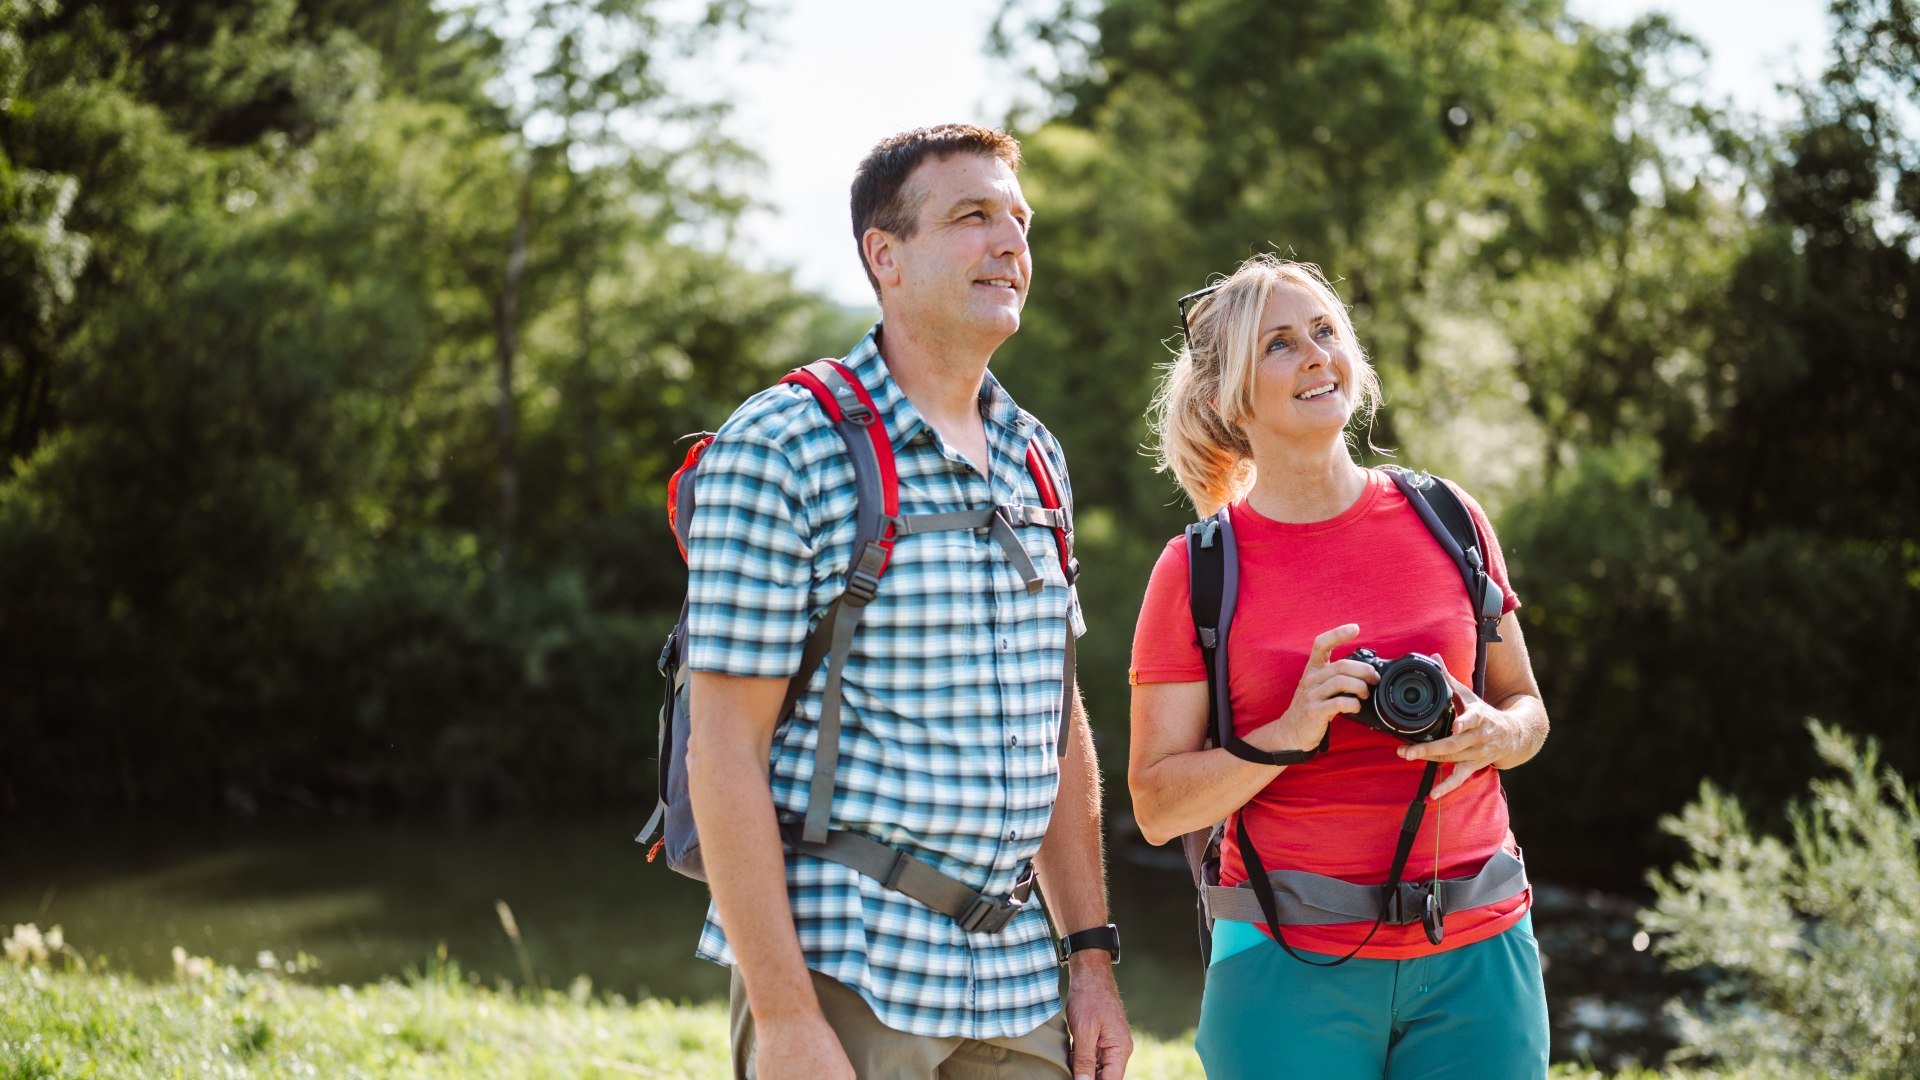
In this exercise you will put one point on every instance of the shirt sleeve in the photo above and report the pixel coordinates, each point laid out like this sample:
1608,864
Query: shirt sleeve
1496,559
749,560
1164,646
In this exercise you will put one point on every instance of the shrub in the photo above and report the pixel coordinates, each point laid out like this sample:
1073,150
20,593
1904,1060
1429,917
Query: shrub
1809,942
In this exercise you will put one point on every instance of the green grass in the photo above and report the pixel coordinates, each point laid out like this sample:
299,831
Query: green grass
256,1024
228,1023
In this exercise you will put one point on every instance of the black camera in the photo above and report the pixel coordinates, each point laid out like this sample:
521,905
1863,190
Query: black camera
1414,701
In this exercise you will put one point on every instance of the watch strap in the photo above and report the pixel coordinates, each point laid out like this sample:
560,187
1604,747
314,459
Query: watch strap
1098,937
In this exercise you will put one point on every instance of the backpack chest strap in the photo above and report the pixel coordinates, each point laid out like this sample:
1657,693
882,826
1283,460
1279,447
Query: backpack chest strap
997,522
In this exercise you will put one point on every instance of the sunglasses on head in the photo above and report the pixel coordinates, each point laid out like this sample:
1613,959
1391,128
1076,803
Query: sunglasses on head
1193,299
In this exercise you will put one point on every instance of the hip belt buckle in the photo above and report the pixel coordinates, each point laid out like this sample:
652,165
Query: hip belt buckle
989,915
1421,902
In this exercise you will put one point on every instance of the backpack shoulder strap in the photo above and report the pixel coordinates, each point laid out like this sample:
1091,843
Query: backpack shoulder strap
1052,497
1446,517
877,510
1213,580
1206,588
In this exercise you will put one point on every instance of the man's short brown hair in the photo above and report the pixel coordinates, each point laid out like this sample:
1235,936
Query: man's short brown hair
880,196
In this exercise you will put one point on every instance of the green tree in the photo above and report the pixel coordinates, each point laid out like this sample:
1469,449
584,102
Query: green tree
1484,179
248,525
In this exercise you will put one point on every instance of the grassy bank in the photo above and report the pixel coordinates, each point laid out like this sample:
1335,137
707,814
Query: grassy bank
220,1022
215,1022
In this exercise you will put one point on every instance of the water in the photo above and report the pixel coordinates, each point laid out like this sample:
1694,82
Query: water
371,900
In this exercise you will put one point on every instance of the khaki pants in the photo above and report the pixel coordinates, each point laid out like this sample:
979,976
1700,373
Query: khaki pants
881,1053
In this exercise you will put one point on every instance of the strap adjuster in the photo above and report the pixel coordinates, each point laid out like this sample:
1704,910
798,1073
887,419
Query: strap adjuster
987,915
863,577
900,860
862,586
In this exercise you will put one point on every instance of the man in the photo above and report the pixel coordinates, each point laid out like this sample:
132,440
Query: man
951,696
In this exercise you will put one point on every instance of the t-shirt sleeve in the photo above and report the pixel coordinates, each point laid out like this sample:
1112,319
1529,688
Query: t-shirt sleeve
1164,647
1496,559
749,560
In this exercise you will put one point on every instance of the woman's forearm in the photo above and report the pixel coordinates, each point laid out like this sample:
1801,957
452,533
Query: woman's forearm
1530,713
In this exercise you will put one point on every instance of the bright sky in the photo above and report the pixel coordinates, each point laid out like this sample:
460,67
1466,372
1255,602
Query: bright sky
839,75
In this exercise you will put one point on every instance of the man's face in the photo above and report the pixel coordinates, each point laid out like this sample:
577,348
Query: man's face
964,272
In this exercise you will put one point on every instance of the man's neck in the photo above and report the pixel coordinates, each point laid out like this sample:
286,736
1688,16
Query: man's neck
943,382
941,379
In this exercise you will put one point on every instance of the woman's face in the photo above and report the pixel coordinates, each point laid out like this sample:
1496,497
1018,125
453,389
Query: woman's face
1305,371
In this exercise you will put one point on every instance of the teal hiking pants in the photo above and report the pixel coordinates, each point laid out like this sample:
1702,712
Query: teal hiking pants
1472,1013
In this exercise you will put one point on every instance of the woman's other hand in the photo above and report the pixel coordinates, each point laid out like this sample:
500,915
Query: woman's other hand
1482,736
1504,735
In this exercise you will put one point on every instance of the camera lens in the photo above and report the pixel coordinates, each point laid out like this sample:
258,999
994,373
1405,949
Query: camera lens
1413,695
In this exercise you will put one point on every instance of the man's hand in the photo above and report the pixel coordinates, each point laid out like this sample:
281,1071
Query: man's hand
1482,735
799,1049
1097,1023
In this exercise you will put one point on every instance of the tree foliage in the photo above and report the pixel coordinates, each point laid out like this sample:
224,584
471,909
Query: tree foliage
250,517
1598,302
345,347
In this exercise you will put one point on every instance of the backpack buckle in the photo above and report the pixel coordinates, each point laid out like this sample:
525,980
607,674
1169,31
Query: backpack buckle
666,654
862,586
1416,902
988,915
863,577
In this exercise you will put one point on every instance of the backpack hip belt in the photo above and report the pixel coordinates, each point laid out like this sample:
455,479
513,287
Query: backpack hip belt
1307,899
975,912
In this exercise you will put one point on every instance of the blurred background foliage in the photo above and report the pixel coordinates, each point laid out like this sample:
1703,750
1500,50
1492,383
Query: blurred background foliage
346,346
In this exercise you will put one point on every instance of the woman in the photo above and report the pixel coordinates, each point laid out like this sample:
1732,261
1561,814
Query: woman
1331,557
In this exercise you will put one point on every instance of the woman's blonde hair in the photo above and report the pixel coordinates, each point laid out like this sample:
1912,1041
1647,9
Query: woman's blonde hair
1206,394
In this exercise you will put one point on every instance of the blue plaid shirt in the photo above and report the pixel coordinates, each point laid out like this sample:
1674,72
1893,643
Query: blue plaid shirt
951,710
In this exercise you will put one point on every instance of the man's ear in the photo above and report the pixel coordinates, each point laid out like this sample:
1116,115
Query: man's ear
880,249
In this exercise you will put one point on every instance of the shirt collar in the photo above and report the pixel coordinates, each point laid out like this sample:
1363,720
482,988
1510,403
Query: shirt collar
903,420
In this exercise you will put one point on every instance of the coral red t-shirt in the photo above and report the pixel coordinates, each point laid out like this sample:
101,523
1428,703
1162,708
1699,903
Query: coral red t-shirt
1374,564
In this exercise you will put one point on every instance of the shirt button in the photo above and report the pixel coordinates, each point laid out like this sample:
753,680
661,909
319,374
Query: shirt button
1011,835
1005,645
1013,740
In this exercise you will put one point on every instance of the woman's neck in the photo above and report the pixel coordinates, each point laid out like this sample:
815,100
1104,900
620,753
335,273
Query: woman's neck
1304,487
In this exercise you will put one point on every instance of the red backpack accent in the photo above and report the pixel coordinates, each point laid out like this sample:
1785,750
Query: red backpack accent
673,491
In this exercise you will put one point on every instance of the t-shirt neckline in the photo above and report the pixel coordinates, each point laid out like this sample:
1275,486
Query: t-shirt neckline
1245,516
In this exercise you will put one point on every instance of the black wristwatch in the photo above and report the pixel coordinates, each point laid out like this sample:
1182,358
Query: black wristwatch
1100,937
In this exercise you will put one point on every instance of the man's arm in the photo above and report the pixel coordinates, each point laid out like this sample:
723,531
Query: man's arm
1073,878
730,740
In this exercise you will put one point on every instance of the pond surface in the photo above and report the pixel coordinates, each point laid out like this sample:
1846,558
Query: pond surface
370,900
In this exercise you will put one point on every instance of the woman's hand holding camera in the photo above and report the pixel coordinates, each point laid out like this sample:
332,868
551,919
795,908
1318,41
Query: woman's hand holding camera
1327,688
1482,736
